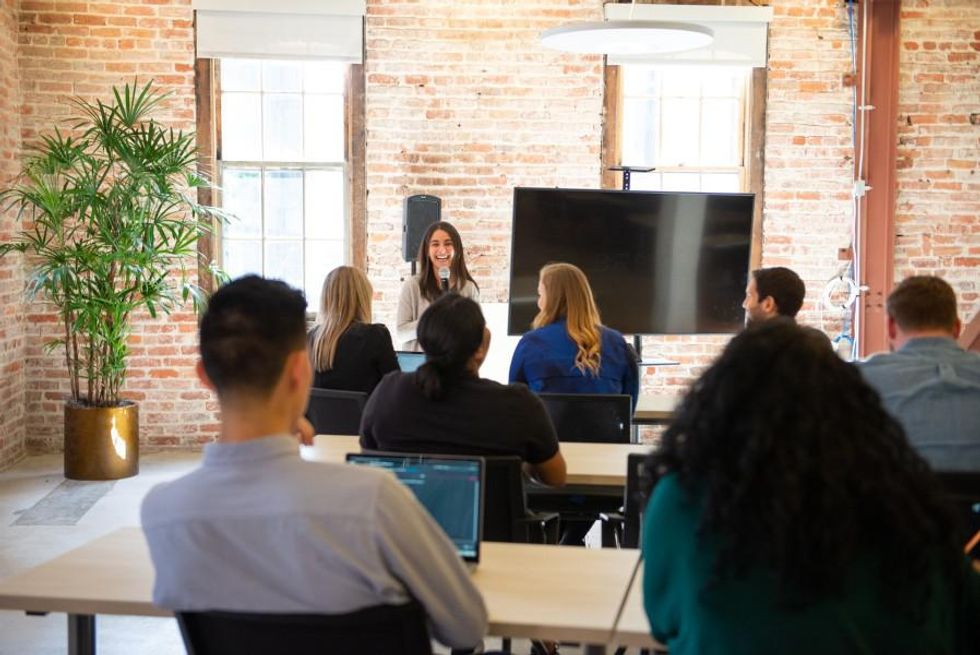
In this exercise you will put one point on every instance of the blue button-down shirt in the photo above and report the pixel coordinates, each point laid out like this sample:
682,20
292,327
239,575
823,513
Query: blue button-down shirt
932,386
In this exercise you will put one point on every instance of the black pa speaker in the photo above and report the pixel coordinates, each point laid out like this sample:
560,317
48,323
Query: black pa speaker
420,212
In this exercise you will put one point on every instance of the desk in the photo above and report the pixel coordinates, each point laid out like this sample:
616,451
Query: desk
531,591
633,629
589,464
655,409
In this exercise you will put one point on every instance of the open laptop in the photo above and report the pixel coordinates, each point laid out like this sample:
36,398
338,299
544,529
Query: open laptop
450,487
409,361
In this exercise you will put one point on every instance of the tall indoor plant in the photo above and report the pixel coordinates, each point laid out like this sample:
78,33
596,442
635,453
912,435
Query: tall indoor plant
111,225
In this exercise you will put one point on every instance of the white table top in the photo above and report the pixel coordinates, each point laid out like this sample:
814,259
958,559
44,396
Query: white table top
531,591
589,464
655,408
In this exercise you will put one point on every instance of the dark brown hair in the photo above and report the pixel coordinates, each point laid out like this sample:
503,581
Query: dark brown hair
783,285
923,302
428,282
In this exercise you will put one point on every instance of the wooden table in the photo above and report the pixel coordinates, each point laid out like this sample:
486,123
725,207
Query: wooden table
655,409
589,464
531,591
633,629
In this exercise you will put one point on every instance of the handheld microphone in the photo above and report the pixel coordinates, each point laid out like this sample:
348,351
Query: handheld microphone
444,278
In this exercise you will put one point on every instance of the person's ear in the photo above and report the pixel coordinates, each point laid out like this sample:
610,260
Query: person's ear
299,370
481,353
957,328
768,305
892,328
202,375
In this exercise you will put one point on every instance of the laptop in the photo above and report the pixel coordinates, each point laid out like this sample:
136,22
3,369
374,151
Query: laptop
450,487
409,361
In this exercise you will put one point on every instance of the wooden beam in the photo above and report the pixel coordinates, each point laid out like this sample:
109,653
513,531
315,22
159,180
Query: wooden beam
611,148
755,158
970,336
879,27
356,169
205,72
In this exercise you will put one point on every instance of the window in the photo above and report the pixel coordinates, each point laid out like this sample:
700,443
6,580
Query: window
689,123
282,170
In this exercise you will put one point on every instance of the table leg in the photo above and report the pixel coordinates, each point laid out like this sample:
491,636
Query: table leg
81,634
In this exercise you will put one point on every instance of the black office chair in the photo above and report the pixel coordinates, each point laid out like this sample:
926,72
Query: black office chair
505,513
626,525
394,629
589,417
332,411
963,490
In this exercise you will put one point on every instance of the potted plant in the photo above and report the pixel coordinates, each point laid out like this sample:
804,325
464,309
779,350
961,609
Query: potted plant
110,226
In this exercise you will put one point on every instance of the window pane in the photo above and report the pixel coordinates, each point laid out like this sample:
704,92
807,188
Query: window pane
321,258
680,132
640,80
241,123
283,123
284,261
323,123
325,217
720,133
282,76
240,258
645,182
640,127
681,182
324,77
721,81
241,75
284,204
241,194
721,182
678,81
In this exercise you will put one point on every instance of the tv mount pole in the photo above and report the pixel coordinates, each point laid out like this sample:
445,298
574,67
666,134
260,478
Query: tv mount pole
627,171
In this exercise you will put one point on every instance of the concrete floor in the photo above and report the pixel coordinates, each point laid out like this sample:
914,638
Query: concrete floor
24,546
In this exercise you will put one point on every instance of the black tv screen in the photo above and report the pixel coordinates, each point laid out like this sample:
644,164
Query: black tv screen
658,262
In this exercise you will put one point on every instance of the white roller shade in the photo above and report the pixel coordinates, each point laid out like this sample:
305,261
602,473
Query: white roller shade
740,33
283,29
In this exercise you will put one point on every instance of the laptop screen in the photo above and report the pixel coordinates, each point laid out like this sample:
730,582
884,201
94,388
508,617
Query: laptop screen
409,361
450,488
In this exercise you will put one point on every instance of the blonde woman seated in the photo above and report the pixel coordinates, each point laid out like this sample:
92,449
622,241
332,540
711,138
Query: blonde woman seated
569,350
348,351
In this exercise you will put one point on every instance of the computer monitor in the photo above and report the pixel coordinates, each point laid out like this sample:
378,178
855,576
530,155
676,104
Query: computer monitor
409,361
451,488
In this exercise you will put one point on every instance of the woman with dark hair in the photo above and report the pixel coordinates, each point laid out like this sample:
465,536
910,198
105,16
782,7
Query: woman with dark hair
446,407
442,268
792,516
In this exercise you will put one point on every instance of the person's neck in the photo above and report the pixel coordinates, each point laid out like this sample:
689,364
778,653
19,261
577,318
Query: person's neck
245,421
903,338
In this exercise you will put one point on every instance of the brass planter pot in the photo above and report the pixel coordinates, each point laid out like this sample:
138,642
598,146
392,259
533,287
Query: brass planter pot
101,443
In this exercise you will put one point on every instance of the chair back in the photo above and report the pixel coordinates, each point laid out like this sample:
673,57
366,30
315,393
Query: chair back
505,504
379,629
589,417
634,500
333,411
963,491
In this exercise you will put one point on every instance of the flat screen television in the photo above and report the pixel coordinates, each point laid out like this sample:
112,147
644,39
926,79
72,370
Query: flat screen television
658,262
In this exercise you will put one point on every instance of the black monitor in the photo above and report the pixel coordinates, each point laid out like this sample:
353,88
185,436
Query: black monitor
658,262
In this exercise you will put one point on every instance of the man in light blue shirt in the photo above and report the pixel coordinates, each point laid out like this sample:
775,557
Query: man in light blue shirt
257,529
929,383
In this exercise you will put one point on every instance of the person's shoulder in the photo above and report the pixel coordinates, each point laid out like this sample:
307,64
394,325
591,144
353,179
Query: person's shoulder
393,382
167,500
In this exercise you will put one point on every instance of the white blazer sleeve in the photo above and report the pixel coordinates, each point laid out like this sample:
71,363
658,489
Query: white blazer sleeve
407,317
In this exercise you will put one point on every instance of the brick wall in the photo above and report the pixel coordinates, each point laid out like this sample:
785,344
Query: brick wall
85,48
463,103
11,270
938,206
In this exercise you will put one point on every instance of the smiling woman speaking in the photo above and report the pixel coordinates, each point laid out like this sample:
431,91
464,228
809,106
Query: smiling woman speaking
442,267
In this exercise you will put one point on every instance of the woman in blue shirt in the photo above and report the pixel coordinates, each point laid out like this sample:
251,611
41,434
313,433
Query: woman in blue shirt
569,350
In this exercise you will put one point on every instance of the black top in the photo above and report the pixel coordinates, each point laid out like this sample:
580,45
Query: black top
364,355
475,417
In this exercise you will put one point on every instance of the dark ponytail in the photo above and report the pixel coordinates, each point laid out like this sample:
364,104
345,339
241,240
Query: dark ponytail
450,331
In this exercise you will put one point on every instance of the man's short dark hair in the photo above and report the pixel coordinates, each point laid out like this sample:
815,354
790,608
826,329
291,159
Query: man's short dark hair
923,302
783,285
249,329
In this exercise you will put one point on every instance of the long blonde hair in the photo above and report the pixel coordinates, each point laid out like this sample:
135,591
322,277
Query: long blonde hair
567,295
346,298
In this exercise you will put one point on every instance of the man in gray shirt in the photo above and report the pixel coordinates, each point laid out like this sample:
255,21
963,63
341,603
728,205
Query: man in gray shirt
257,529
929,383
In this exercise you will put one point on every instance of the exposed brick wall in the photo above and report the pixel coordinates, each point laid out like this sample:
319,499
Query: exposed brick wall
85,48
938,206
463,103
11,269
